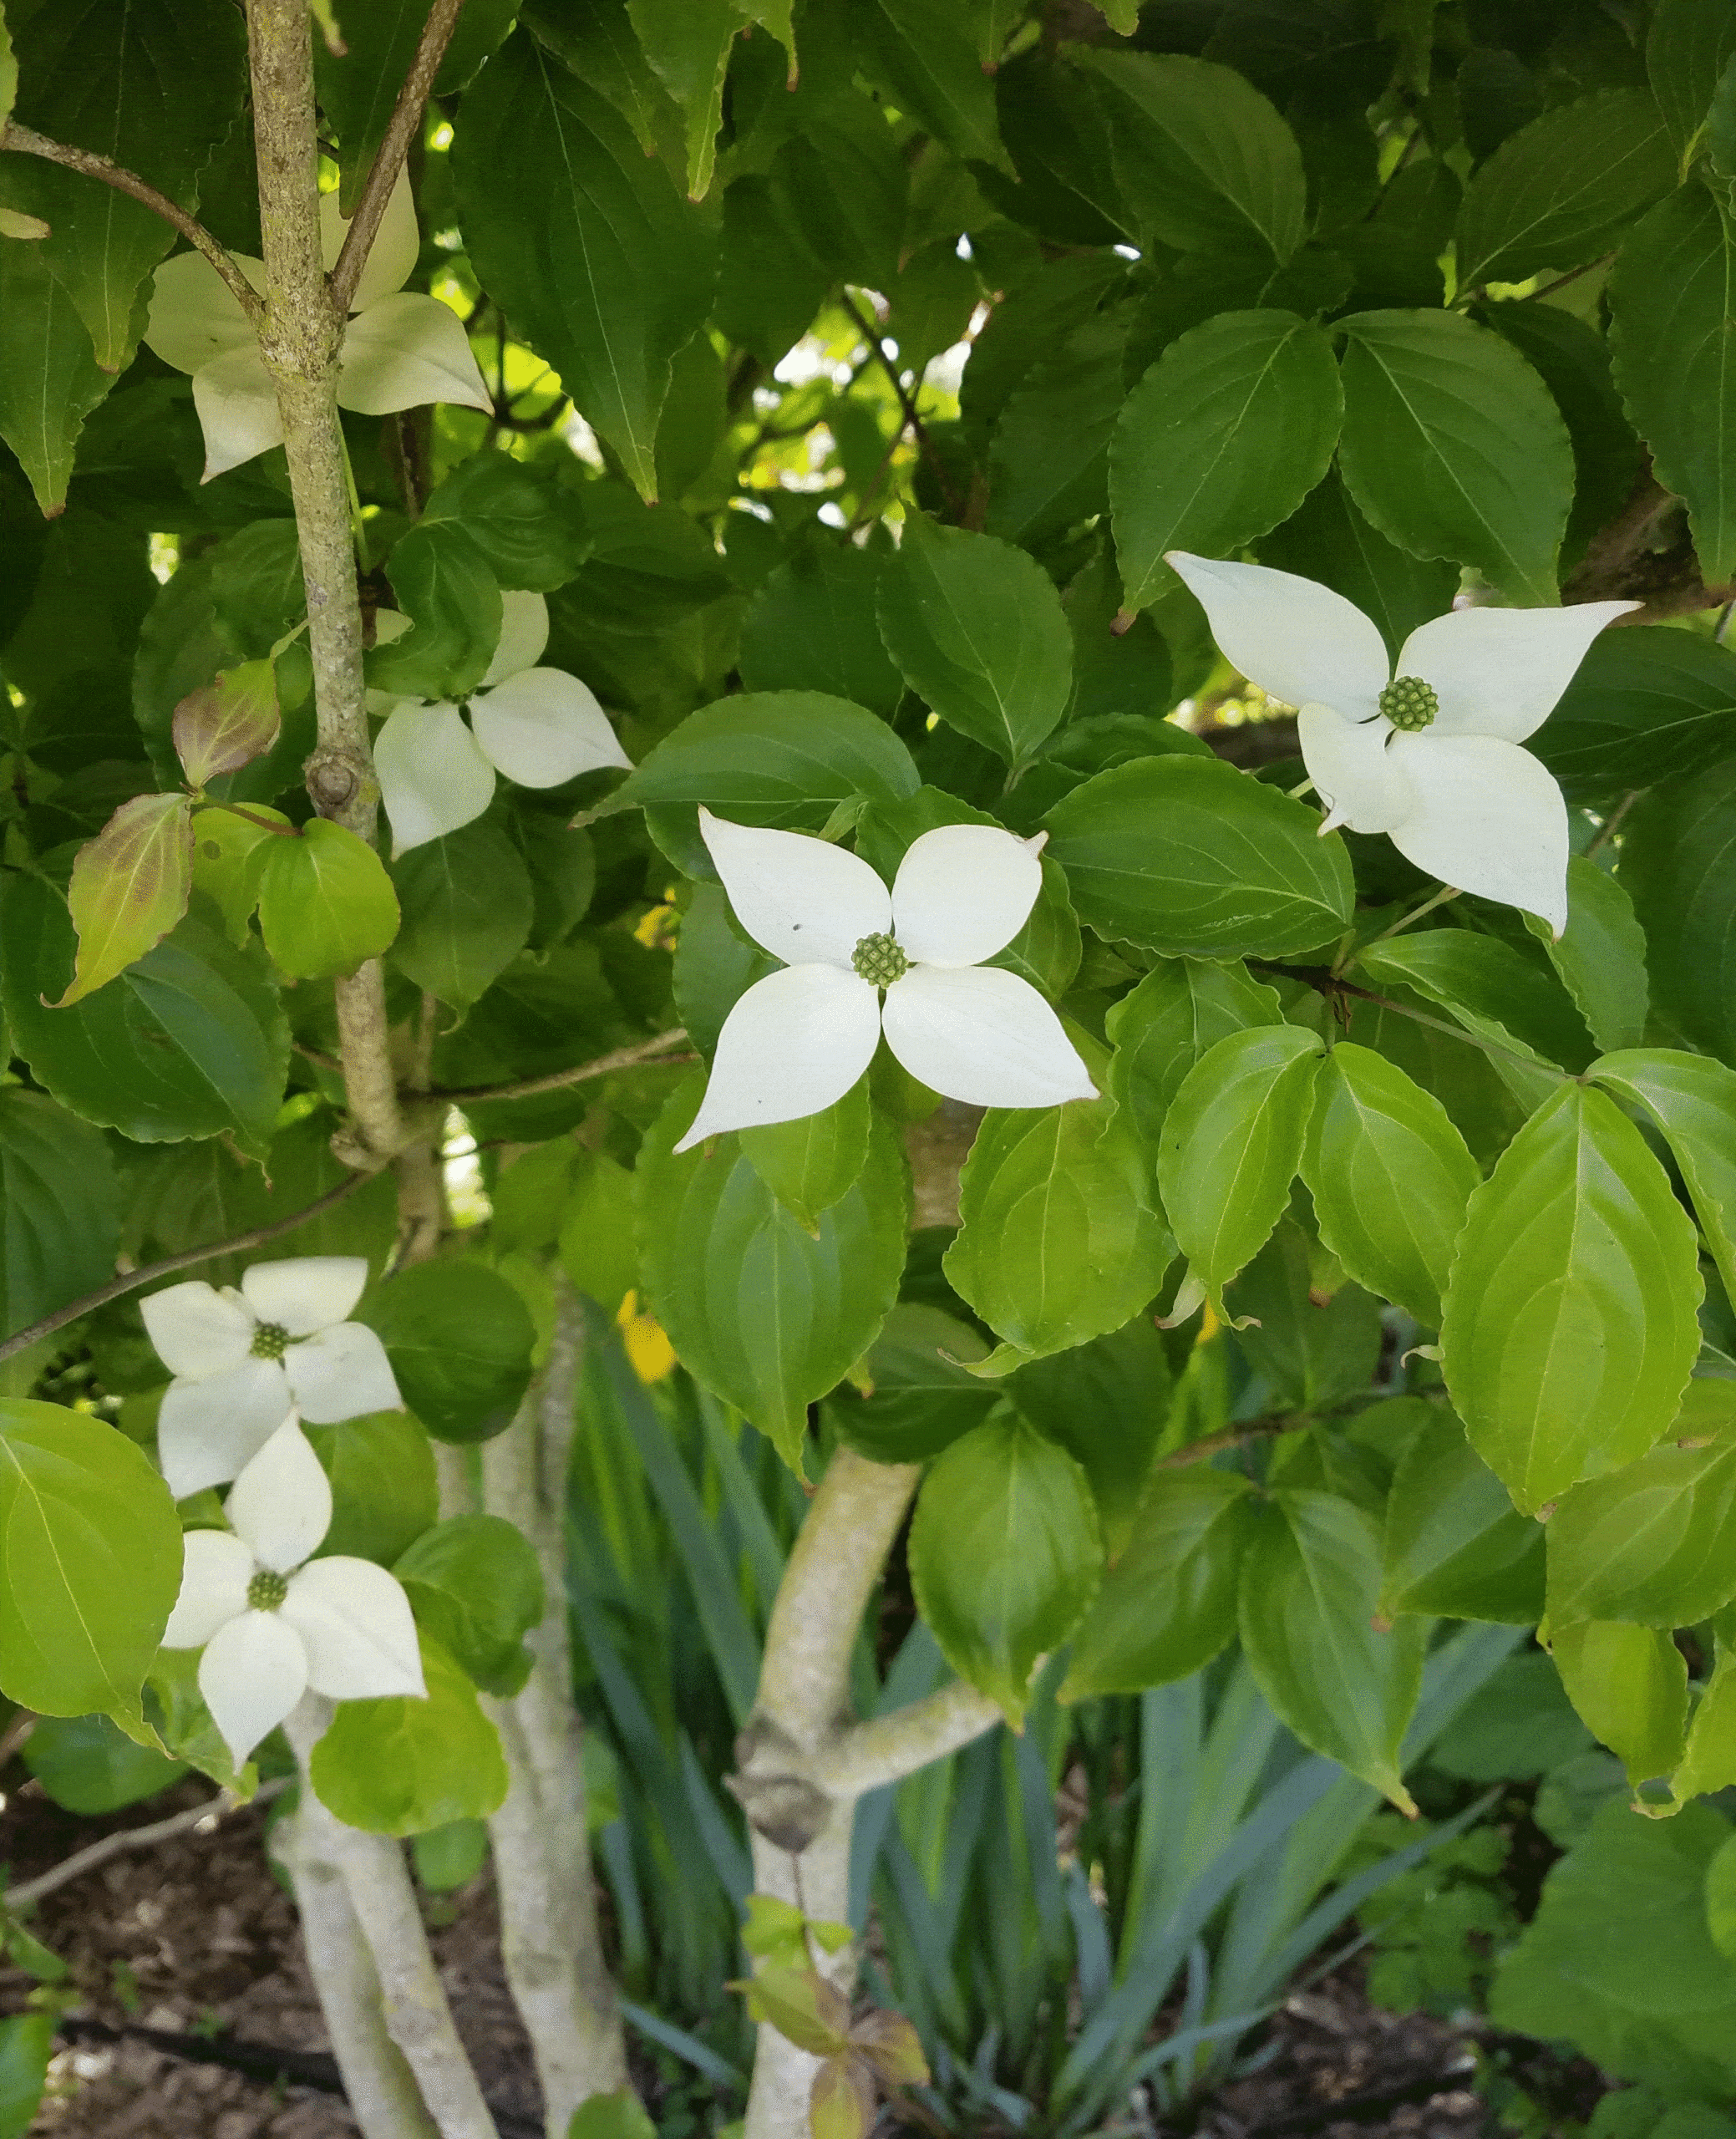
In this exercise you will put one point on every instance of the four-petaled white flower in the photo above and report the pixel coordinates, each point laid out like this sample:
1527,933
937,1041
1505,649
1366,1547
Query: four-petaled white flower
798,1039
538,726
1430,756
242,1360
274,1623
400,350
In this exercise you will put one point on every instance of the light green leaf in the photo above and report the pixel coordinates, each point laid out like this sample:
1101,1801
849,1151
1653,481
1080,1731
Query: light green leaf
468,906
87,1765
1630,1687
978,631
1694,1102
129,887
1654,1544
1453,1544
27,2042
575,283
325,901
401,1765
1168,1604
1390,1176
1203,160
1600,957
49,379
1005,1555
1231,1144
617,2115
598,1251
1678,862
228,723
1060,1238
811,1164
475,1584
1569,1330
59,1208
1452,448
1709,1762
1188,857
92,1564
1673,312
1310,1580
459,1340
1223,438
384,1493
1162,1027
1559,192
766,1315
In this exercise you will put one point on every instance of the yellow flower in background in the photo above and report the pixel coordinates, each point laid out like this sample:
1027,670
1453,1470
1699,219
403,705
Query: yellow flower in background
649,1352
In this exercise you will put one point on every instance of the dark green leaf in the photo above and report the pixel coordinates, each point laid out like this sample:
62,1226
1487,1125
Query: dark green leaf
517,517
49,379
812,626
1600,957
1678,862
475,1585
928,59
1313,1351
1686,49
446,587
1648,704
86,1765
459,1338
468,908
1327,539
922,1395
59,1208
1107,1403
811,1164
384,1493
1694,1102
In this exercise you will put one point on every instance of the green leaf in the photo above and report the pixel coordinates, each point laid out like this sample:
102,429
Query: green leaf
1708,1762
474,1583
1060,1238
468,907
1686,48
1569,1330
1654,1544
154,86
1678,862
1492,989
812,1164
1188,857
325,901
49,379
927,58
447,588
1203,161
1648,704
196,1023
1223,438
765,1315
1671,308
27,2042
86,1765
687,45
1453,1544
575,283
92,1565
384,1492
618,2116
1327,538
1390,1176
358,87
1168,1604
1005,1555
812,626
1231,1143
1694,1102
401,1765
516,515
449,1857
232,720
1601,957
1309,1582
1559,192
1162,1027
1107,1403
1630,1686
978,631
129,887
922,1395
459,1339
1312,1350
598,1251
59,1208
1452,448
781,759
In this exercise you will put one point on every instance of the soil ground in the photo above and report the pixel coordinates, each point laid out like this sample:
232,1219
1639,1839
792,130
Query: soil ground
193,1938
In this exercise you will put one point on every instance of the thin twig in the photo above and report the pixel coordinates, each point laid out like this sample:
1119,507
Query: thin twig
25,142
1572,275
129,1838
1612,823
388,159
623,1058
1197,1451
1331,984
118,1288
907,402
16,1732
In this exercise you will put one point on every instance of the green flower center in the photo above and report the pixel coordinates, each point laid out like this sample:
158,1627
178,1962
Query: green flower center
879,960
266,1591
1409,704
271,1341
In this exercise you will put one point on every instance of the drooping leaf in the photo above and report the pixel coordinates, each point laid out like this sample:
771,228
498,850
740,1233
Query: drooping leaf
1629,1684
1686,49
1600,957
49,379
687,43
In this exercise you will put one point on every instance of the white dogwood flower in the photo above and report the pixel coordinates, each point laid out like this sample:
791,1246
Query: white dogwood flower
242,1360
1430,756
538,726
275,1623
400,350
798,1039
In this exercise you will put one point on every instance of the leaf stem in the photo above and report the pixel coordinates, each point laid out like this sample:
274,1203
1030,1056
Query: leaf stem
1447,891
241,810
24,141
1331,984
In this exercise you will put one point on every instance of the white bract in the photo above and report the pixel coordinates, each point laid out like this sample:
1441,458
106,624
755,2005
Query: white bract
273,1628
242,1360
1430,756
798,1039
538,726
400,350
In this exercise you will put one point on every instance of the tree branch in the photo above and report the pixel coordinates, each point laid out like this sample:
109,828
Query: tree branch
118,1288
23,141
622,1058
907,402
388,159
886,1748
130,1838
